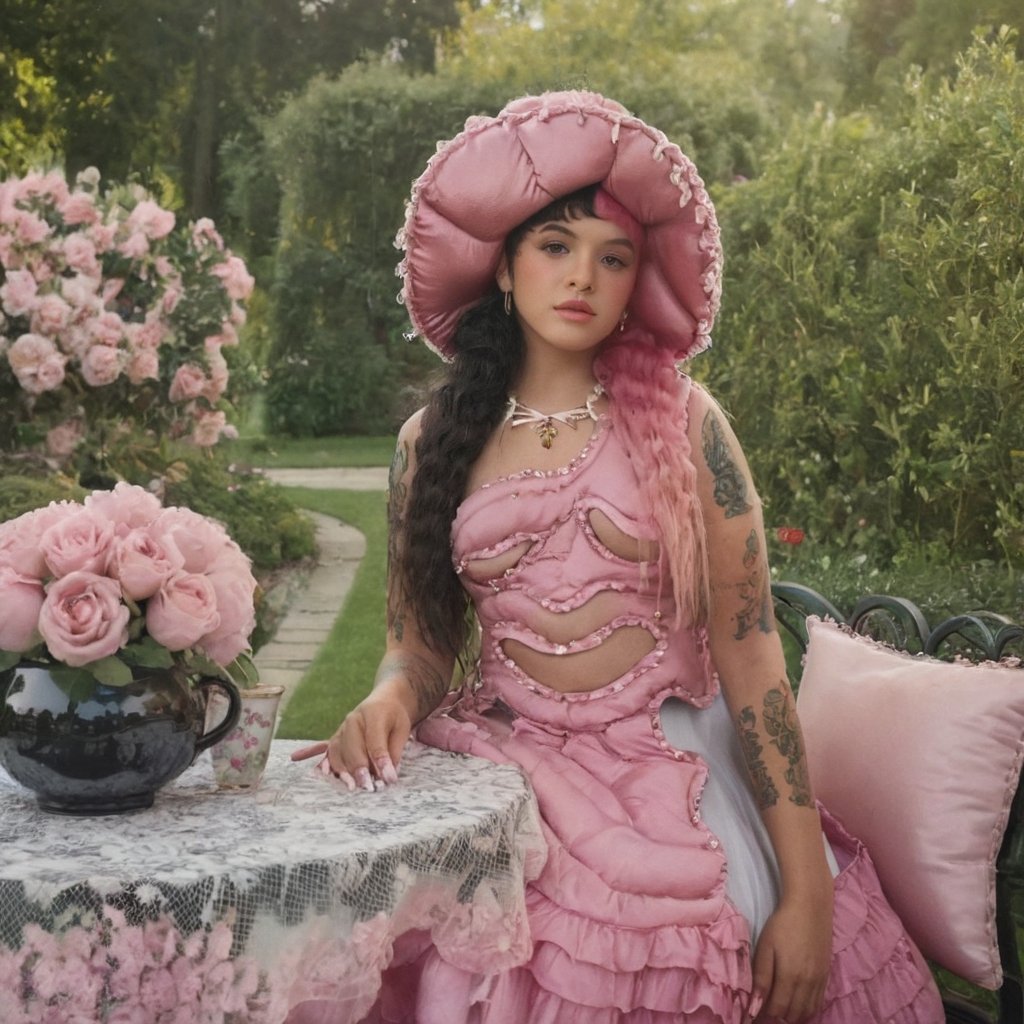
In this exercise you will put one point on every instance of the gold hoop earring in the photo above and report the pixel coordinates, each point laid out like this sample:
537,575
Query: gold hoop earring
508,302
622,320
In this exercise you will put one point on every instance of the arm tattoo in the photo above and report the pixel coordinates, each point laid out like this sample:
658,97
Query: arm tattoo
397,491
782,726
765,792
755,593
730,487
426,683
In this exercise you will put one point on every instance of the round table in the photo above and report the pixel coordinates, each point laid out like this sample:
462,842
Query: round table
226,906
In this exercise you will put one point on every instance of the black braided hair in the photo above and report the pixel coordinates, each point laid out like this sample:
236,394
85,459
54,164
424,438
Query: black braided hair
461,414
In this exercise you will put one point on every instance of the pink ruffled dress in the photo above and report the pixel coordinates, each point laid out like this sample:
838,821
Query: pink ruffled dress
646,906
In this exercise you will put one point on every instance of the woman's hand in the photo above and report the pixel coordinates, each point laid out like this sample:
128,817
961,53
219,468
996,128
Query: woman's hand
792,961
369,741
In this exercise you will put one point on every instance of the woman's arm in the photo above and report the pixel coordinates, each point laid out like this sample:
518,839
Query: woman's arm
411,679
792,959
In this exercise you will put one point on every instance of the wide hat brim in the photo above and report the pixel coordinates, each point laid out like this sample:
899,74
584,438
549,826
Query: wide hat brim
500,170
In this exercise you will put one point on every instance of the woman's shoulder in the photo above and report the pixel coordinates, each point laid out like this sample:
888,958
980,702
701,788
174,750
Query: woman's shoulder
410,430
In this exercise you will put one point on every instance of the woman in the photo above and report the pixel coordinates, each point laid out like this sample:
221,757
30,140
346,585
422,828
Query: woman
595,508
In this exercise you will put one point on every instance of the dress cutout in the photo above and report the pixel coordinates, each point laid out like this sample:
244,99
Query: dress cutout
631,915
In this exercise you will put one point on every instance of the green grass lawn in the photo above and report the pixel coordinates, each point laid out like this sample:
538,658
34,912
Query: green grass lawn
343,670
311,452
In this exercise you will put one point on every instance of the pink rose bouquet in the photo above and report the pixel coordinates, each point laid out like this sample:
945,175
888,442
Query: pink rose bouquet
119,580
111,313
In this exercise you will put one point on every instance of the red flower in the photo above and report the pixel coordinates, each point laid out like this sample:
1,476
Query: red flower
790,535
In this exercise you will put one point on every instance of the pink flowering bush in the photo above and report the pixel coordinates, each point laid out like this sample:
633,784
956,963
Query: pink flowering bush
112,317
118,580
119,973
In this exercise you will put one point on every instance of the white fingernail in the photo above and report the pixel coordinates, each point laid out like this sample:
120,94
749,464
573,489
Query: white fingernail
363,779
386,770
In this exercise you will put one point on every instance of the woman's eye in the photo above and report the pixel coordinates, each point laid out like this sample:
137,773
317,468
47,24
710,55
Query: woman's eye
614,261
556,248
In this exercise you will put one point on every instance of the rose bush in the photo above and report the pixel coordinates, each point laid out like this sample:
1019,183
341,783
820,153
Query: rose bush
112,317
118,580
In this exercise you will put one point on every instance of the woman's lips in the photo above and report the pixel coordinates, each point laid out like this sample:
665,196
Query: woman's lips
575,310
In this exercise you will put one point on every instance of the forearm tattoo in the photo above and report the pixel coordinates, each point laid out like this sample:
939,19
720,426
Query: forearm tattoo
755,593
730,487
765,792
781,723
426,683
397,492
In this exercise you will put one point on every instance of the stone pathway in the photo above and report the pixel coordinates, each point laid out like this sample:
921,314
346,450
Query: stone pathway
311,614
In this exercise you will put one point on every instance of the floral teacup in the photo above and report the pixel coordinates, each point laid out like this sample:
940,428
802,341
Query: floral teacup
241,757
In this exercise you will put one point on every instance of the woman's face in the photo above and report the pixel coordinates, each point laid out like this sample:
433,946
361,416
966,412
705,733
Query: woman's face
571,281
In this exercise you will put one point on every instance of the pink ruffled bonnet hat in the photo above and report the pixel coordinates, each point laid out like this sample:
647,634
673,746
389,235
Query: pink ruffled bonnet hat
500,170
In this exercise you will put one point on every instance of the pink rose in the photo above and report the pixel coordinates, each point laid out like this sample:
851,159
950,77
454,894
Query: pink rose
209,426
101,365
80,253
64,438
78,543
218,380
189,382
36,363
103,236
21,597
201,541
182,610
135,246
83,618
107,328
30,229
237,280
18,293
143,564
82,292
79,208
29,351
203,231
127,506
143,364
234,588
19,546
151,219
51,315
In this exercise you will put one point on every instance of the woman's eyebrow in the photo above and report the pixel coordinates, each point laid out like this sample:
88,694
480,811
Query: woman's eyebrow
559,228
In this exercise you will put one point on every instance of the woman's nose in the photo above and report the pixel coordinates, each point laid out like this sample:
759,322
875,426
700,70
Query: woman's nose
581,278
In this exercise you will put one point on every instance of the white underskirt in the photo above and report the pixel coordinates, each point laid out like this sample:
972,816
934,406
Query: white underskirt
728,807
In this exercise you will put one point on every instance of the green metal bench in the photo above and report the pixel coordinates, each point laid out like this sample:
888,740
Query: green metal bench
980,636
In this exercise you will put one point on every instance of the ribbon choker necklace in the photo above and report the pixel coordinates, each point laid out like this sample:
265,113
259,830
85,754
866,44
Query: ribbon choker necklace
543,423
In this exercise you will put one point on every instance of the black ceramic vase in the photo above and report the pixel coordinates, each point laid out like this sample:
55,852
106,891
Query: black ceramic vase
109,750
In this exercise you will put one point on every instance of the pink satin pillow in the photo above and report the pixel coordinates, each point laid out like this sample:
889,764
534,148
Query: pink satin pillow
919,759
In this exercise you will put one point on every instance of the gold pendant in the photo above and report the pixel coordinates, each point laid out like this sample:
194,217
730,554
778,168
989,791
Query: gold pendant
547,432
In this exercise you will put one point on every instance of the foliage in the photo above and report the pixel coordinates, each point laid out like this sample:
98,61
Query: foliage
717,78
318,453
117,581
873,317
259,515
111,321
886,36
339,361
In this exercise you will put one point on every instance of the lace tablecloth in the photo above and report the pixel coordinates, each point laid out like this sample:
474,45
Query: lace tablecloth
223,908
